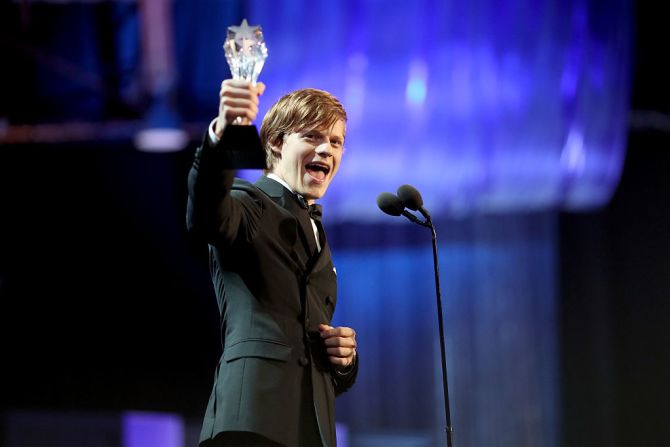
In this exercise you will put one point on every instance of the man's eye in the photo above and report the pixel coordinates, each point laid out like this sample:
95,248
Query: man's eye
336,143
309,136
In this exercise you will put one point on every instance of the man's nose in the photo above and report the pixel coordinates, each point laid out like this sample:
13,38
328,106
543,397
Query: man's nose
324,149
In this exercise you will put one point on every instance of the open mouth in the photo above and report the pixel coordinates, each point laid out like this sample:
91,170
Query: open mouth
317,171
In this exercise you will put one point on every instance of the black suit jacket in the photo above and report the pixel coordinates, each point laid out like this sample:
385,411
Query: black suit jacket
273,290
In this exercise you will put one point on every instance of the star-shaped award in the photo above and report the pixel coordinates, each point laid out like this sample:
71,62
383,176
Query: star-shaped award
245,51
244,32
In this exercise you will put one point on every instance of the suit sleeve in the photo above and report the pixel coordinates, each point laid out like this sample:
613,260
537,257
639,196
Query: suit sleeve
344,379
217,212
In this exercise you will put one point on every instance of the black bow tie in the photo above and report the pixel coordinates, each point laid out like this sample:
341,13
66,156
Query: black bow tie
314,210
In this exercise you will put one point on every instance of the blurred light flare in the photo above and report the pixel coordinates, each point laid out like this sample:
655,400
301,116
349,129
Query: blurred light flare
417,84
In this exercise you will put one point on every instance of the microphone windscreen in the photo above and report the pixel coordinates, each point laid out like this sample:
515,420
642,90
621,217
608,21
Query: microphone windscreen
410,197
390,204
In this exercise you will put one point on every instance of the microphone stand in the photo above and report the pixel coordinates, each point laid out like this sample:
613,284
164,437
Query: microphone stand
449,429
445,386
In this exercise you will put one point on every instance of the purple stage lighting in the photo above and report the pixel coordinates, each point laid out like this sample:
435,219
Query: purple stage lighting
483,106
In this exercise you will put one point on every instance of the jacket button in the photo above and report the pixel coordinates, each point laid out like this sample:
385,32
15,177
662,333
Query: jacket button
303,361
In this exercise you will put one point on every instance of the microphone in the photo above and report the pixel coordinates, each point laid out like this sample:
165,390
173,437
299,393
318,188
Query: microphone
411,198
392,205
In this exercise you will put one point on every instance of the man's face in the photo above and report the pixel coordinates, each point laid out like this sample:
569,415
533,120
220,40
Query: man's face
309,159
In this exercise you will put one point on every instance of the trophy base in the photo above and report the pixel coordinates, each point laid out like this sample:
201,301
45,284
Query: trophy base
243,147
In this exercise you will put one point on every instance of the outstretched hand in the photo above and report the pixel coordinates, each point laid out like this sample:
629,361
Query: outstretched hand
340,344
238,100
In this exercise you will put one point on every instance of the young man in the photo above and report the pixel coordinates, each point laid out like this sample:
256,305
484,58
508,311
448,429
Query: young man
282,363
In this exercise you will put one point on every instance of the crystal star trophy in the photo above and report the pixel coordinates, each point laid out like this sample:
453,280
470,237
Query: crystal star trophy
245,53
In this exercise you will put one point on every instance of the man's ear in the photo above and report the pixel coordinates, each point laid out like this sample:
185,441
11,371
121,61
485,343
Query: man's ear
276,146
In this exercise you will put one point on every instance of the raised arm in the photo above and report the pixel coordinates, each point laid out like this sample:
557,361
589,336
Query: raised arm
212,212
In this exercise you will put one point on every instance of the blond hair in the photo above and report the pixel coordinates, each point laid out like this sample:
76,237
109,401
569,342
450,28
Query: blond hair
306,108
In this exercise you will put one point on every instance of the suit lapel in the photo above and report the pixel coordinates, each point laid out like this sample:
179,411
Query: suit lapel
288,200
322,257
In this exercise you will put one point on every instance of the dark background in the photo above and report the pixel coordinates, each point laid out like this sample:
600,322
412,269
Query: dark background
615,277
141,309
